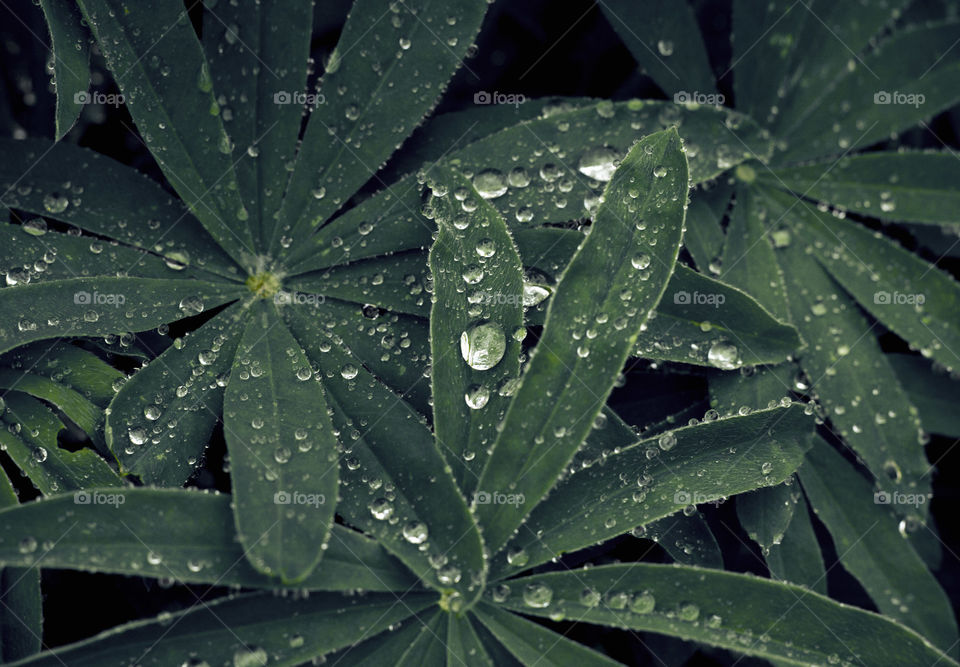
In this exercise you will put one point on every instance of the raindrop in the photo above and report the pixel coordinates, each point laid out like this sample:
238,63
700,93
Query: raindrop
482,346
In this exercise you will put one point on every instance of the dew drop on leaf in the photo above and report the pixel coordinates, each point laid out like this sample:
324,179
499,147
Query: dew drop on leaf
483,345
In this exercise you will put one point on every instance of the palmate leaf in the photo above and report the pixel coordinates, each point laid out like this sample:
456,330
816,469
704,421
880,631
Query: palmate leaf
183,535
381,79
868,544
70,42
21,614
247,630
907,186
478,304
656,477
739,612
283,468
161,70
569,377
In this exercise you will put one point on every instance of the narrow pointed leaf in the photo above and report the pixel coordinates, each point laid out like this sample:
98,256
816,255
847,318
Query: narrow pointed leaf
261,72
21,614
766,513
29,437
68,364
134,210
907,186
283,469
70,44
389,451
728,610
428,647
373,97
76,407
247,629
477,311
184,385
534,644
166,533
159,65
98,306
704,235
664,38
917,302
464,646
870,547
798,558
659,476
934,393
687,538
569,378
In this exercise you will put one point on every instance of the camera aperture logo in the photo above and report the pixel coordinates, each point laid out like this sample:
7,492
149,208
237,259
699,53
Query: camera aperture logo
898,98
884,298
898,498
98,299
301,98
497,498
98,498
298,498
495,97
685,298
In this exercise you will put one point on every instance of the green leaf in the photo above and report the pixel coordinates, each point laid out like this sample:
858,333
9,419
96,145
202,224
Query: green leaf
183,385
534,644
935,394
70,42
78,409
372,100
707,322
915,61
724,609
850,375
244,630
29,437
687,538
166,533
659,476
464,646
907,186
917,301
665,40
161,70
476,314
21,614
798,558
395,484
634,241
427,648
760,387
101,305
766,513
134,210
748,260
704,235
283,468
870,547
260,69
68,364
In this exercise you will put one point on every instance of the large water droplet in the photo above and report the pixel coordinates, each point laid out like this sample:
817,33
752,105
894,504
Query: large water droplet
482,346
724,355
537,596
599,163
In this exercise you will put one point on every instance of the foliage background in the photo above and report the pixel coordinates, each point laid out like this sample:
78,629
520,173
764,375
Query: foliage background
537,48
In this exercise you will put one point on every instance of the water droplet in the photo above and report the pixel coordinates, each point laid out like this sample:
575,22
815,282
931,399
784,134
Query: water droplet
381,509
724,355
660,171
537,596
415,532
35,227
55,203
643,603
599,163
490,183
517,557
486,248
482,346
667,441
590,597
349,371
137,435
477,396
665,47
27,545
689,612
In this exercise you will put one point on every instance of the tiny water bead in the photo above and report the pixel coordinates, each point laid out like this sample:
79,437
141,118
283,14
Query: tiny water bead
537,596
724,355
415,532
590,597
483,345
643,603
689,612
477,396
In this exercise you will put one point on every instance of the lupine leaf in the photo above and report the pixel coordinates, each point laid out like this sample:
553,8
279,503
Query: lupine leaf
69,40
